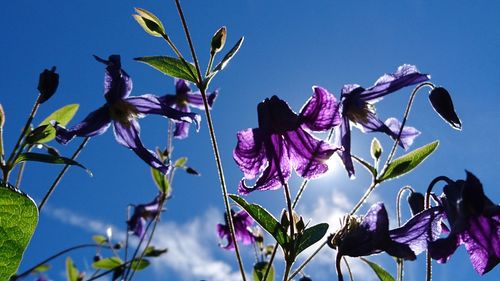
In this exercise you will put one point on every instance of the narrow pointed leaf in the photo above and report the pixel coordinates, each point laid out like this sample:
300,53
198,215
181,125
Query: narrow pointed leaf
259,270
160,181
365,164
223,63
47,158
310,236
408,162
264,218
100,239
151,251
181,162
381,273
46,132
171,66
109,263
139,265
18,220
72,273
42,268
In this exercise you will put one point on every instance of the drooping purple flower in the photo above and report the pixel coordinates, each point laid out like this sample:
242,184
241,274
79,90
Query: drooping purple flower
283,141
123,111
42,278
183,99
474,221
357,109
142,212
242,229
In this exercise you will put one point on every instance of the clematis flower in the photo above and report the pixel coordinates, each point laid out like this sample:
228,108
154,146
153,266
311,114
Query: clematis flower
123,111
474,221
371,235
143,212
242,229
283,140
182,101
357,108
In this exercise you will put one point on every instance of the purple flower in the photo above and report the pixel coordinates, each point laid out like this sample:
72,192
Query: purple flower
143,212
123,111
371,235
182,100
242,229
356,107
283,140
474,221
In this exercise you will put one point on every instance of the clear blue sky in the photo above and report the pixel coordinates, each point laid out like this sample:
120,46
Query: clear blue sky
289,47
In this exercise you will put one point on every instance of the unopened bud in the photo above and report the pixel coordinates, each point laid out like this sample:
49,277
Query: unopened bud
97,258
47,84
192,171
416,202
441,102
2,116
218,40
305,278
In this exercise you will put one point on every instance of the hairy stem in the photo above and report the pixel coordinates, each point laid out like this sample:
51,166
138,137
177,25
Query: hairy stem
399,261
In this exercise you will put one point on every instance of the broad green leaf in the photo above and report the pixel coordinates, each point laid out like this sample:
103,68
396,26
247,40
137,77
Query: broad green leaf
382,274
310,236
408,162
376,149
62,116
149,22
108,263
41,134
259,270
139,265
72,273
223,63
265,219
151,251
161,181
47,158
100,239
171,67
181,162
18,220
365,164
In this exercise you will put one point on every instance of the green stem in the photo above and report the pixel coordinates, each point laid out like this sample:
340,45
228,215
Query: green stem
2,160
178,53
61,174
213,140
16,277
399,261
210,63
21,171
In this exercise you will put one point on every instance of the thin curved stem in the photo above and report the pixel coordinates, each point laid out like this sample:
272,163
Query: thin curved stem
213,139
399,261
61,174
348,269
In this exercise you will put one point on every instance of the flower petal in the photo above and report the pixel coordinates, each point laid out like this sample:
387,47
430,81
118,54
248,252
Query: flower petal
442,249
195,99
278,169
128,136
96,123
117,83
343,138
408,134
482,242
181,130
308,155
250,154
321,111
405,75
181,86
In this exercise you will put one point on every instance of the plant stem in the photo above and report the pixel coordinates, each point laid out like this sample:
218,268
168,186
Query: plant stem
16,277
213,140
348,269
399,261
288,266
61,174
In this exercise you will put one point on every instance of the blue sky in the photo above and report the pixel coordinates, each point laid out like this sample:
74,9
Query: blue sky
289,47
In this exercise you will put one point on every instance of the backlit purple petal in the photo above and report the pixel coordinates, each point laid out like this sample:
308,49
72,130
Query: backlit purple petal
242,229
408,134
96,123
275,174
117,83
442,249
181,130
405,75
343,138
168,100
128,136
195,99
308,155
181,87
482,242
349,88
146,104
250,154
321,111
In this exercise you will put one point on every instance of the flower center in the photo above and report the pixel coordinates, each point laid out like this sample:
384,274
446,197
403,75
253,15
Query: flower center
356,110
349,224
123,112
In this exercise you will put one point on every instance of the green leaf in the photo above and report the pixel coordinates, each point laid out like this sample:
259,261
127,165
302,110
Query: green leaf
376,149
310,236
408,162
46,158
72,273
171,67
149,22
45,132
139,264
223,63
108,263
100,239
18,220
42,268
365,164
161,181
151,251
259,270
265,219
41,134
181,162
382,274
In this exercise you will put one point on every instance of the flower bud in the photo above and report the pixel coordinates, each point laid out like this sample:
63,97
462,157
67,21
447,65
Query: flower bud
218,40
47,84
305,278
149,22
441,102
416,202
97,258
192,171
2,116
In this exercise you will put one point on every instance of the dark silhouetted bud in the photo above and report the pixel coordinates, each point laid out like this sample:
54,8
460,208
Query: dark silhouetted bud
416,202
305,278
192,171
118,246
218,40
47,84
97,258
441,102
